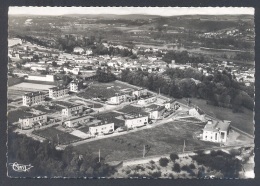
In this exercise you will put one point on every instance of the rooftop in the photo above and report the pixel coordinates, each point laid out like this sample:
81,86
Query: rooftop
78,117
215,126
32,94
58,88
32,116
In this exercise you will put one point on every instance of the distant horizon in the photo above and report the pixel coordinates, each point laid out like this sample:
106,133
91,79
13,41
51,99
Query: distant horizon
153,11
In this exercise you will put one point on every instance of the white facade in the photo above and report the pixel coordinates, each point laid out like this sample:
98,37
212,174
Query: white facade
33,98
28,122
72,110
140,92
75,85
101,129
78,50
48,78
117,99
73,122
146,101
56,92
216,131
136,122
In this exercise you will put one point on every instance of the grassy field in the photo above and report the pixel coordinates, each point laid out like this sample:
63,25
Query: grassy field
51,134
164,139
243,121
13,116
103,90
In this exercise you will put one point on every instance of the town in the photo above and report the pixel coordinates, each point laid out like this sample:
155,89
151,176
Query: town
96,98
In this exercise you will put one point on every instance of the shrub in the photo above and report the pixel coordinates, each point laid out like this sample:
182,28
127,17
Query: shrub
156,174
152,162
128,171
176,167
163,162
174,157
185,168
192,166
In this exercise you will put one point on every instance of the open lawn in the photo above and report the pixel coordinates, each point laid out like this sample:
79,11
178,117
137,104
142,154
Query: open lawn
63,103
14,115
47,109
103,90
163,139
243,121
52,133
31,86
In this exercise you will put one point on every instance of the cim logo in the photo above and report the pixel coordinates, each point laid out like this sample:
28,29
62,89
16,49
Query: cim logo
20,168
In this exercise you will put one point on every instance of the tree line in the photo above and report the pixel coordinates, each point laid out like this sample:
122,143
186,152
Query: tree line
219,89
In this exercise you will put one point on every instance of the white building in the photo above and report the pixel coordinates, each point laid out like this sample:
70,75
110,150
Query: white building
30,121
33,98
74,71
216,131
56,92
169,104
72,110
135,121
76,121
89,51
76,85
146,100
100,129
117,99
140,92
197,113
47,78
78,50
157,113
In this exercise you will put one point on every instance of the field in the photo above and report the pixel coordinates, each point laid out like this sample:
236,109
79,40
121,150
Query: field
88,103
164,139
13,81
103,90
63,103
30,86
46,109
243,121
13,116
52,133
132,109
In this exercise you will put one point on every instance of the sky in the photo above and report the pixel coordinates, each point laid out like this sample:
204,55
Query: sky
162,11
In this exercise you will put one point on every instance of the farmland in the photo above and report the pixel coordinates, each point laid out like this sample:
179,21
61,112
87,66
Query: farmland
103,90
30,86
52,133
160,140
243,121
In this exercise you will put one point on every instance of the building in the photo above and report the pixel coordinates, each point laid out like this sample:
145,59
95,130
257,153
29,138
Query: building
33,98
101,129
119,98
76,85
216,131
134,121
140,92
72,110
76,121
197,113
144,101
47,78
169,104
30,121
157,112
56,92
78,50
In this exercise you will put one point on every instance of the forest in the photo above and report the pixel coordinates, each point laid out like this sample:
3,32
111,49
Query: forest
219,90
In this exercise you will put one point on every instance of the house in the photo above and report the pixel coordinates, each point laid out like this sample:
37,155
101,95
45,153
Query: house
76,121
101,128
89,51
157,112
30,121
56,92
133,121
197,113
119,98
169,104
78,50
72,110
216,131
33,98
74,71
144,101
140,92
76,85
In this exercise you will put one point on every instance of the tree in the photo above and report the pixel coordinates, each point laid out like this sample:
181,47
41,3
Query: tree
176,168
174,157
163,162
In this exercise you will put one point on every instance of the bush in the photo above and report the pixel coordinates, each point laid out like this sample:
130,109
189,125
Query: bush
192,166
174,157
163,162
156,174
128,171
176,168
152,162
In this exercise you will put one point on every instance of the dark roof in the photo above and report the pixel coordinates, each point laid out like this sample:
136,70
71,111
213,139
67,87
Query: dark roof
31,116
32,94
58,88
71,106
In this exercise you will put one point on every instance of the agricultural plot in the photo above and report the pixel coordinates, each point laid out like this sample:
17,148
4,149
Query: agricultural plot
30,86
14,115
88,103
165,139
104,90
132,109
48,109
54,134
